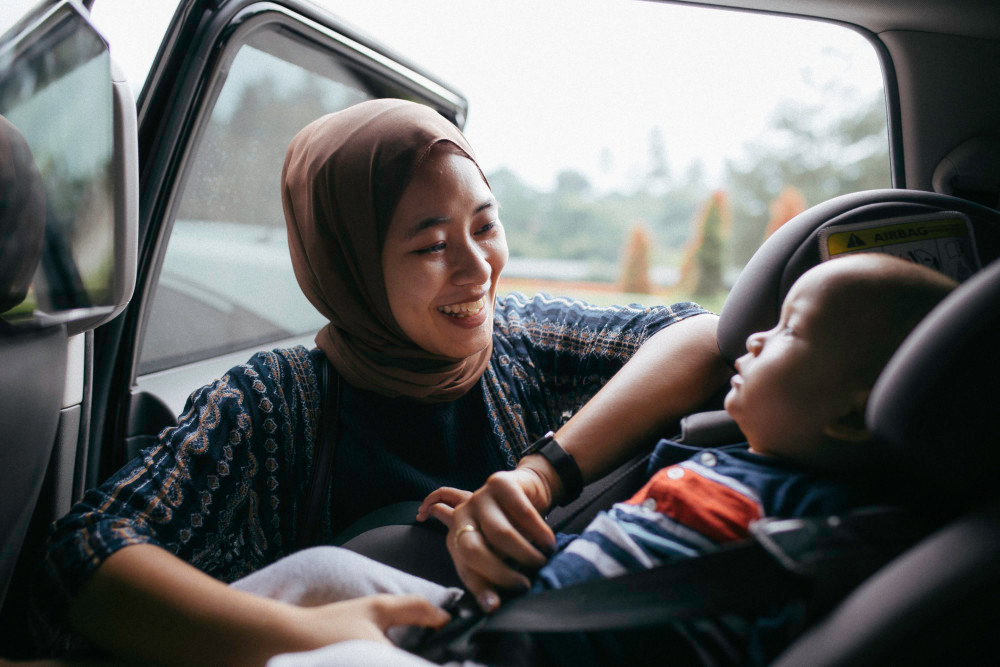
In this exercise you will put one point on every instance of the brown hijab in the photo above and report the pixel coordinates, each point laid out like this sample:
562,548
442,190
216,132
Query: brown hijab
343,176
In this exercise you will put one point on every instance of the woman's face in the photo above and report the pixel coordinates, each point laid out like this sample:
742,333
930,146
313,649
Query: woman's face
443,253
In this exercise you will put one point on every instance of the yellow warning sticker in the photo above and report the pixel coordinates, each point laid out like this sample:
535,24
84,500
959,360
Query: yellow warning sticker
842,242
943,241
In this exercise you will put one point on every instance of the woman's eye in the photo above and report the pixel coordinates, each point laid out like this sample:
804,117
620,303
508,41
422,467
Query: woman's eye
488,227
437,247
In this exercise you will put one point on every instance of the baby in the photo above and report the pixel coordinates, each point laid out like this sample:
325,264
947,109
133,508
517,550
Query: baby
799,397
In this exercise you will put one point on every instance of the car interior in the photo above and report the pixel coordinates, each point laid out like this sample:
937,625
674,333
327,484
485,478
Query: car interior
84,227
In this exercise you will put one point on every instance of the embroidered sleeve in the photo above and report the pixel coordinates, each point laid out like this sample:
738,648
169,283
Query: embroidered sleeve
219,490
552,354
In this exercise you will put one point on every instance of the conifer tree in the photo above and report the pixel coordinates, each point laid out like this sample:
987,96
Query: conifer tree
703,270
635,261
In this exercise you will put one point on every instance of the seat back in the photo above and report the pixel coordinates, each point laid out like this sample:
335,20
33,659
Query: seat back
69,220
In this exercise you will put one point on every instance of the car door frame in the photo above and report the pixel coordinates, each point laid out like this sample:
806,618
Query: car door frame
173,108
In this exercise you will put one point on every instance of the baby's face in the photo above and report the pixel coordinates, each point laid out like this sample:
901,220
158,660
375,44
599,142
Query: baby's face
791,382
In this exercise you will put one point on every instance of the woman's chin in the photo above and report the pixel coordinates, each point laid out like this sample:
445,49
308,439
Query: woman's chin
462,338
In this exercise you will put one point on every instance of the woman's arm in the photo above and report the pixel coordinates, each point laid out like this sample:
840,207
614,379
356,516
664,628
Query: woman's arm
672,373
145,604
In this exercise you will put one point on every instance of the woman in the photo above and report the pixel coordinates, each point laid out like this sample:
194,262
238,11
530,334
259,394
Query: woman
395,237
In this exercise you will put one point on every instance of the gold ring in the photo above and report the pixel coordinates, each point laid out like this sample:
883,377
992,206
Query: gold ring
467,528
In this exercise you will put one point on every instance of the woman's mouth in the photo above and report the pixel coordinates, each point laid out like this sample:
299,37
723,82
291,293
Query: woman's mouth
466,309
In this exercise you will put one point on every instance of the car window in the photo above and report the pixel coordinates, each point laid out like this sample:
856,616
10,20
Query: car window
621,179
641,151
226,280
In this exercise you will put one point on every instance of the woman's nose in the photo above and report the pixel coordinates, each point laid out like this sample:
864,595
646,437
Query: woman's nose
471,265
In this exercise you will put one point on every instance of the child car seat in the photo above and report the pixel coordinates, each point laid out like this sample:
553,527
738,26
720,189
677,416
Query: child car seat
935,404
754,303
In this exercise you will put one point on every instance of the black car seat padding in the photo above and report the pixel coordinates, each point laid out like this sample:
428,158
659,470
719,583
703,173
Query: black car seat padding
935,403
754,303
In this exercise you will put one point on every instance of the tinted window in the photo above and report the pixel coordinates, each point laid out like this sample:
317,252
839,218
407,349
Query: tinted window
226,281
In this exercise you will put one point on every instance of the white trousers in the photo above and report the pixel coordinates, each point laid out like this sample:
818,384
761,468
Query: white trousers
321,575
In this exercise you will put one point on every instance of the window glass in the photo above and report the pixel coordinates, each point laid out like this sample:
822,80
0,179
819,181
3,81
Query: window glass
641,151
226,282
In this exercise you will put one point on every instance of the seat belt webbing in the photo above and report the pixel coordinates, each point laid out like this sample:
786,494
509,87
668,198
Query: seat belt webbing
738,579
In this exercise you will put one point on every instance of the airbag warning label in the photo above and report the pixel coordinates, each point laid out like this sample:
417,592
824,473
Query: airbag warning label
942,241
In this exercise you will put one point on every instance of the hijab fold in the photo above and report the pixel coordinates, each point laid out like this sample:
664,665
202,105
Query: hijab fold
342,178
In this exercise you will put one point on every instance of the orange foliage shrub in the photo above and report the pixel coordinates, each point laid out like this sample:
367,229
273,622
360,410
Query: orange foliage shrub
788,204
635,262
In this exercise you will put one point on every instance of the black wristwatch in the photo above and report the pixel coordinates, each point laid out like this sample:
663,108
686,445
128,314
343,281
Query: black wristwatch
564,464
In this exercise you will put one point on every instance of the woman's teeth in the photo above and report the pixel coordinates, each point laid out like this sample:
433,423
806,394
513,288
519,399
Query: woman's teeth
464,309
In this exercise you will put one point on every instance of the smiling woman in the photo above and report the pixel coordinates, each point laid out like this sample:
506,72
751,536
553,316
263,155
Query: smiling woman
390,224
443,255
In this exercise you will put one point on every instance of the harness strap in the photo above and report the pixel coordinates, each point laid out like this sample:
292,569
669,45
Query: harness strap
816,561
742,579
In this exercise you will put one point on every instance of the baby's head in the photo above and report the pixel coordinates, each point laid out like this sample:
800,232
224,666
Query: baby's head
801,388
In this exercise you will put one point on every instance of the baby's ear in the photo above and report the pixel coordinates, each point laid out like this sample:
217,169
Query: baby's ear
850,426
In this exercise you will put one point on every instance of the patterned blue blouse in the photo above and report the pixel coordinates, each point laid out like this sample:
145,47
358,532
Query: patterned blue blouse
222,489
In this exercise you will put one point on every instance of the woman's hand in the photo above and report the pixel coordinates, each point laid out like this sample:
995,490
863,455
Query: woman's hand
506,528
366,618
440,504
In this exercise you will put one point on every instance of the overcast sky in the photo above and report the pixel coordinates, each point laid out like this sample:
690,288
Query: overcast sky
558,84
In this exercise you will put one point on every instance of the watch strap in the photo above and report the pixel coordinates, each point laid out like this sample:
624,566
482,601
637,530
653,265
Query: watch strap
564,465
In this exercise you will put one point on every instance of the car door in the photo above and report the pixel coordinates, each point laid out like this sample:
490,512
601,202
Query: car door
231,85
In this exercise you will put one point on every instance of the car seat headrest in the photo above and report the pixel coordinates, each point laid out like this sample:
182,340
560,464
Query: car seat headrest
935,402
971,171
955,233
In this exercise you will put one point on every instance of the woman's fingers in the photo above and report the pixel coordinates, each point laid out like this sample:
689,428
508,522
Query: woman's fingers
441,512
481,570
447,497
520,515
365,618
508,521
391,610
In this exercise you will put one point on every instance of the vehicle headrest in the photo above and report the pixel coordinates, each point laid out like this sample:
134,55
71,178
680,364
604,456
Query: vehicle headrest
935,402
960,235
971,171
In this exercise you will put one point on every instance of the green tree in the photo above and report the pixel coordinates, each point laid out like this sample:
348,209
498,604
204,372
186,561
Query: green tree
703,271
818,153
520,211
658,177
